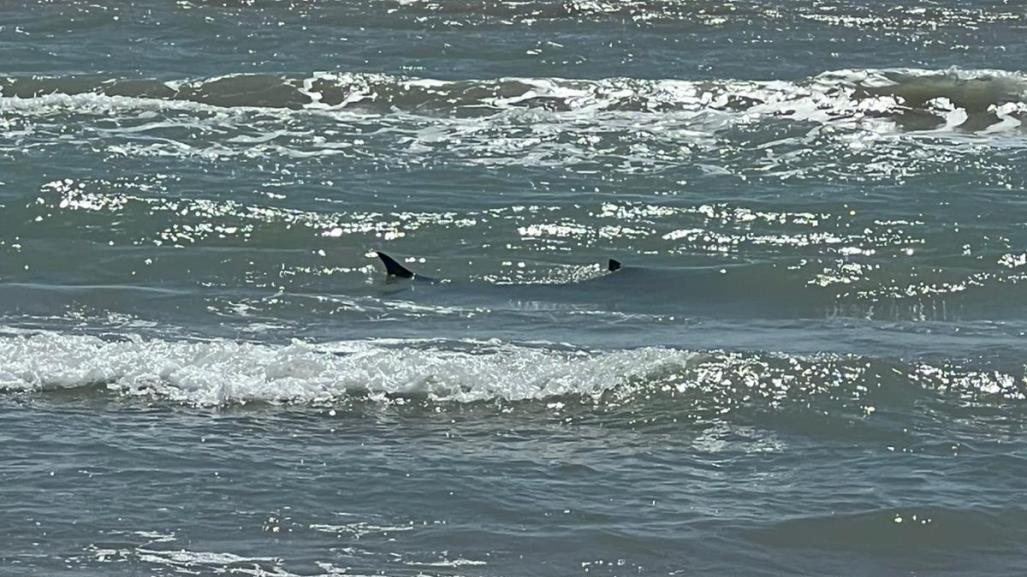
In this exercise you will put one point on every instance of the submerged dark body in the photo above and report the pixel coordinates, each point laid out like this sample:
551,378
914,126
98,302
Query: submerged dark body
812,363
745,291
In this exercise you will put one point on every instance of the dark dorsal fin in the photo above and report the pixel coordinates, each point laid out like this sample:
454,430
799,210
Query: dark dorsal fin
613,265
392,267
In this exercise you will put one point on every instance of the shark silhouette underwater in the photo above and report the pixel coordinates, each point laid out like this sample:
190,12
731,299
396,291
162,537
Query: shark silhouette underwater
748,290
394,269
744,290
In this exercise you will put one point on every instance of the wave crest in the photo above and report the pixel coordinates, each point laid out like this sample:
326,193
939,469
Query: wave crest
914,99
221,372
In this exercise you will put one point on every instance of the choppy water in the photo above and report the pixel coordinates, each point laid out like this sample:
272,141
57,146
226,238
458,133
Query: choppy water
810,364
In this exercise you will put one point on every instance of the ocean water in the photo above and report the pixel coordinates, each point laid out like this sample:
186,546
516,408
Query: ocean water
811,363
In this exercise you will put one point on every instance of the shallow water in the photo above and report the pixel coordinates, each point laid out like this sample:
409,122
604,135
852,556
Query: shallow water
811,362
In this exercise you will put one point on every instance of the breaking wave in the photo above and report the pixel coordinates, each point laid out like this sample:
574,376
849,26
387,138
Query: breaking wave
222,372
971,100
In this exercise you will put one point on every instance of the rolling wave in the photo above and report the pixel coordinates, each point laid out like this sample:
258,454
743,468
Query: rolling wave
222,372
969,100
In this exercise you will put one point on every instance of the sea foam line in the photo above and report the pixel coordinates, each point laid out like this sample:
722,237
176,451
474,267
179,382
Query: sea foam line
221,371
224,372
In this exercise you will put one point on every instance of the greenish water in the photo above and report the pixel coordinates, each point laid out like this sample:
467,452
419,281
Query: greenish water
811,362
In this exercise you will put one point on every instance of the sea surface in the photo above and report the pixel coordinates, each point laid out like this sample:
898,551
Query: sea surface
811,363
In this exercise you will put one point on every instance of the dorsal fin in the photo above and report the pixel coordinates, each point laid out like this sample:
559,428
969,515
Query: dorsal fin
613,265
393,268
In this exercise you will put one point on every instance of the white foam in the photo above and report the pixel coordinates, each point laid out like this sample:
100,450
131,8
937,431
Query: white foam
219,372
831,97
541,122
194,562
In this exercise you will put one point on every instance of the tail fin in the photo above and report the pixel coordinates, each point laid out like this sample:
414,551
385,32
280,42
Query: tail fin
393,268
613,265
